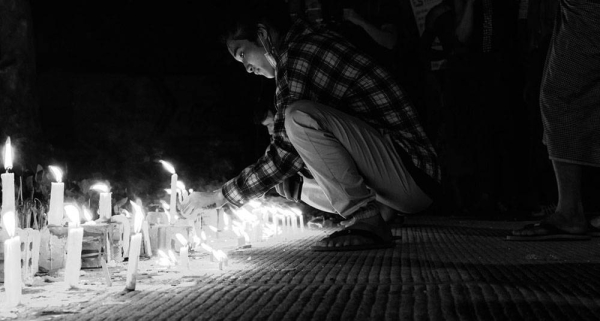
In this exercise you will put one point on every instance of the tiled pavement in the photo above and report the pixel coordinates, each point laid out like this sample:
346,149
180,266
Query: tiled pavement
441,269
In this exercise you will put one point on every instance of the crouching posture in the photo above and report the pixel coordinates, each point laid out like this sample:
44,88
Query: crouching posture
342,121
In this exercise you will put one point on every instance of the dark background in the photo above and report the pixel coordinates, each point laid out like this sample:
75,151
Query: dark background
122,84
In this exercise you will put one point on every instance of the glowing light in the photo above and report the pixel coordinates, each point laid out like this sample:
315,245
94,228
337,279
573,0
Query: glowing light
212,228
172,256
181,185
87,215
8,155
164,259
181,239
56,172
100,187
9,221
203,235
72,212
206,247
254,203
138,217
165,205
168,166
220,255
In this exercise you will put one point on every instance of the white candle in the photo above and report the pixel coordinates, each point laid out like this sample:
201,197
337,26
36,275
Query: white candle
104,203
57,194
12,261
8,181
74,245
184,260
134,248
173,202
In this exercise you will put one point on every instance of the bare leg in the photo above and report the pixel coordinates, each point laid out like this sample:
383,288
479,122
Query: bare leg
569,215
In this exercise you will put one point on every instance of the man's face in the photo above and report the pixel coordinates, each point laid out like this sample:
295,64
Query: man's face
252,56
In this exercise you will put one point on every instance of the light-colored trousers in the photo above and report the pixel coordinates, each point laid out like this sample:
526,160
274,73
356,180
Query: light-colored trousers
353,164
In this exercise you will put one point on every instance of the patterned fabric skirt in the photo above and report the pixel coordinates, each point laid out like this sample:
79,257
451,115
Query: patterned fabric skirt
570,92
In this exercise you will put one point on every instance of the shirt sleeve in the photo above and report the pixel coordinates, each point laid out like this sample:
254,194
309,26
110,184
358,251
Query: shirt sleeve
279,162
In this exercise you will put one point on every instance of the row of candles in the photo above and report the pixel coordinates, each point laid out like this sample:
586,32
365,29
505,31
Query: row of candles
57,211
253,220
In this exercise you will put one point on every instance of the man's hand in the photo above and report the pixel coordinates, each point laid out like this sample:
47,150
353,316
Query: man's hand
290,188
197,202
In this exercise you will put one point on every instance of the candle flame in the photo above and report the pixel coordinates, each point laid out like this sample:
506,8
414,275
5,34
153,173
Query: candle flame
164,259
9,222
100,187
220,255
168,166
181,239
172,256
72,214
87,214
8,155
207,247
254,203
165,205
56,172
138,217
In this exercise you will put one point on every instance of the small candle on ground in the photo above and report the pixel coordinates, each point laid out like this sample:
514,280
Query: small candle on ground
57,194
8,181
173,200
74,246
134,247
12,261
184,260
104,202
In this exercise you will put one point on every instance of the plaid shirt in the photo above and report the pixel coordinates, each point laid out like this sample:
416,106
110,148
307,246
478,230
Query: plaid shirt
316,64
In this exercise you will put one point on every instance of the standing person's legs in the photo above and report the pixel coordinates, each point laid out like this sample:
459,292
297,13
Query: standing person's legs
569,216
354,164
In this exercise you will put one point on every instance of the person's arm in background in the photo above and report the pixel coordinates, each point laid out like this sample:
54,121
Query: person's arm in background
386,36
464,22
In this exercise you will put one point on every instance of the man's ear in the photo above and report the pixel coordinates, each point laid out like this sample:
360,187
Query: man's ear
262,31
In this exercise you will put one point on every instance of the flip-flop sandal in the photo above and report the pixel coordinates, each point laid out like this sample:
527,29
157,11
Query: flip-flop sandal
549,233
378,242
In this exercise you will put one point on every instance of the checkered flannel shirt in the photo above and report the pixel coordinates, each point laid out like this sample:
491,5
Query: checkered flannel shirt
316,64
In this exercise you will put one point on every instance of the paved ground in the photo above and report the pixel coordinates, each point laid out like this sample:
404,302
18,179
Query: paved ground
441,269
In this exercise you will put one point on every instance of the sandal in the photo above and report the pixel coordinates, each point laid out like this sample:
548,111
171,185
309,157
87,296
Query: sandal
378,242
548,232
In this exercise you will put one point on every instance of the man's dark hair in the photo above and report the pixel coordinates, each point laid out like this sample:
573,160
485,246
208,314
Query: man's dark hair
242,22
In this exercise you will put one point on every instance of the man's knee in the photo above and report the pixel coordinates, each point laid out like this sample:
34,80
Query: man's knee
297,114
299,106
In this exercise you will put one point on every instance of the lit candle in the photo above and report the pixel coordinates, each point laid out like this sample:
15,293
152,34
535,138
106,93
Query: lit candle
57,194
74,245
173,203
134,247
12,261
104,206
8,181
184,260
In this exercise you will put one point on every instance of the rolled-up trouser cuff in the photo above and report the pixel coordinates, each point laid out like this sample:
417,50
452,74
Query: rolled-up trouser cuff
366,212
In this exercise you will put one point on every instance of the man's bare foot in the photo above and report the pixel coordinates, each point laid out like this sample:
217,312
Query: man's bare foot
375,226
572,224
